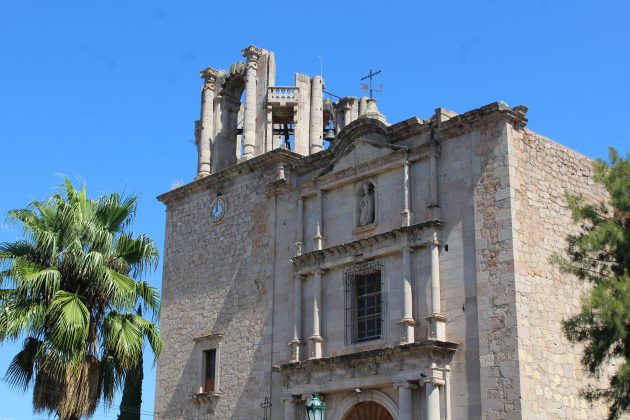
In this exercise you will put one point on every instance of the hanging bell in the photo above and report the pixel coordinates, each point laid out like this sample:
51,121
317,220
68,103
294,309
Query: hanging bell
330,135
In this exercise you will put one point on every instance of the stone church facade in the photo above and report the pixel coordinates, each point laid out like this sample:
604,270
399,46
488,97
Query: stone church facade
401,273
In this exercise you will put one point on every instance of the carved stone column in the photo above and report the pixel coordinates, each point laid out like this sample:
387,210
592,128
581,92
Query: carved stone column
316,136
252,54
407,322
289,407
405,408
437,321
406,213
204,145
296,341
432,391
316,339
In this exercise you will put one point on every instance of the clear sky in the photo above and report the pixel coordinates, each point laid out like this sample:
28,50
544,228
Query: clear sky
107,92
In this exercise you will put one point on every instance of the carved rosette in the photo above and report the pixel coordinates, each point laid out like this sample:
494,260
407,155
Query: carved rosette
209,76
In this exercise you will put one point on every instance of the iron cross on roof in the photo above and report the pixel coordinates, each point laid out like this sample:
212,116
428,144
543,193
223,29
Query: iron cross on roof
370,76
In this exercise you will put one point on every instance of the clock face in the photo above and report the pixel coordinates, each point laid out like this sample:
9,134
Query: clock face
218,210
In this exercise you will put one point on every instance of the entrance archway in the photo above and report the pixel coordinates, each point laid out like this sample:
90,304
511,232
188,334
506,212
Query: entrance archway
368,410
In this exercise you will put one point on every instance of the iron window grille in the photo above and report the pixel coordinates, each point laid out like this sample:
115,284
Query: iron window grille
364,303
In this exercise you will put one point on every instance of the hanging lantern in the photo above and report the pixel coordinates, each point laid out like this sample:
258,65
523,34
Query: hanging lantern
315,408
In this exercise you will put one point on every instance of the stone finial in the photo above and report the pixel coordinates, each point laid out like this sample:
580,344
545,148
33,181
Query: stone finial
371,111
209,76
252,53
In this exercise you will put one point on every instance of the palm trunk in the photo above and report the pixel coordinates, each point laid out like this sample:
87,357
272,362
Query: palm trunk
132,393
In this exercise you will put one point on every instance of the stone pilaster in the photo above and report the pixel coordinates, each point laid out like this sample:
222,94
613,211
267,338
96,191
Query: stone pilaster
299,243
316,339
290,404
204,144
252,54
432,391
405,408
296,341
447,392
437,321
319,237
407,322
406,213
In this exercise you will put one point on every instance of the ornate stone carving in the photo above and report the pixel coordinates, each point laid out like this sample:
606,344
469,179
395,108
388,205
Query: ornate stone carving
209,76
251,53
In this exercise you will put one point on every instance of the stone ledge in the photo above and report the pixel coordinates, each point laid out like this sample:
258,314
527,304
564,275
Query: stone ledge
391,353
350,249
256,163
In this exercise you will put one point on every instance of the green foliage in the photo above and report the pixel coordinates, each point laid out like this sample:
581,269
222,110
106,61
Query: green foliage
600,255
69,290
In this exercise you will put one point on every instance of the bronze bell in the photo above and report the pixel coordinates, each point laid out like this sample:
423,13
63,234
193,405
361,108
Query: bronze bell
330,135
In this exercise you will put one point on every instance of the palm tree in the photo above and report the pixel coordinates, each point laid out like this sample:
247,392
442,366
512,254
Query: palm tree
69,289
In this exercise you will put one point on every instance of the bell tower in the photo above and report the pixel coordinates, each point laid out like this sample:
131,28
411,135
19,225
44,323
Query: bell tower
244,113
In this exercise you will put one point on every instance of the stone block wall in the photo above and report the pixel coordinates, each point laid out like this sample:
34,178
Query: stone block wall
217,281
551,374
496,300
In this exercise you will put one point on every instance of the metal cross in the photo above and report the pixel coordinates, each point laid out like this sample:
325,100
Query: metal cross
265,406
371,76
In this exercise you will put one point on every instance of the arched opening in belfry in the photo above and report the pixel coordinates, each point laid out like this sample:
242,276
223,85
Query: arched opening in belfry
368,410
228,146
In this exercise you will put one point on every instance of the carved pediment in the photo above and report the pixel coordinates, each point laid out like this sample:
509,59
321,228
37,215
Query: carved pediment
362,140
362,151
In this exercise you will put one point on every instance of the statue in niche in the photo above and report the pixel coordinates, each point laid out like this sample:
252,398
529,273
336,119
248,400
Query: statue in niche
366,205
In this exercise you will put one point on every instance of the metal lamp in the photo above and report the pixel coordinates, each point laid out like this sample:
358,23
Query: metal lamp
315,408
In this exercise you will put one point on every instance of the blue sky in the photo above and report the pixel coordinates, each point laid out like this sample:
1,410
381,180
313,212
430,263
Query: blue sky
107,92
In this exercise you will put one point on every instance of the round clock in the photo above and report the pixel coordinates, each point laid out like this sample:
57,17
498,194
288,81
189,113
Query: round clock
218,210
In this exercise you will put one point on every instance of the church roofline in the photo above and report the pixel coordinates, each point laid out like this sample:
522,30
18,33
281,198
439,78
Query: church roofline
250,165
401,130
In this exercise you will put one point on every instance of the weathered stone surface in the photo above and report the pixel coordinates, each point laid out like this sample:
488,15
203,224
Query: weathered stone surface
468,263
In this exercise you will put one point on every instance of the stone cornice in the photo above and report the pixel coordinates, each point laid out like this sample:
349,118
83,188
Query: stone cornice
302,165
346,253
391,353
408,128
400,154
270,159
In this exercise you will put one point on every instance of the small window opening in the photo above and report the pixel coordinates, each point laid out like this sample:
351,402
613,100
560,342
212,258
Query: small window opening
210,357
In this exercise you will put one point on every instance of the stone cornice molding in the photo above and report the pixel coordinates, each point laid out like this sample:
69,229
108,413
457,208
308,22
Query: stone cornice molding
354,130
370,247
392,353
393,364
208,337
370,168
267,161
405,385
303,165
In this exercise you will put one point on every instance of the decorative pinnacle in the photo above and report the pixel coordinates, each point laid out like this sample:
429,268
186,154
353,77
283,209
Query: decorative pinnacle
252,53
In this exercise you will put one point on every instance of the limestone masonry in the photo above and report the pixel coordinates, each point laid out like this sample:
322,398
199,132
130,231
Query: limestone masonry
399,270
